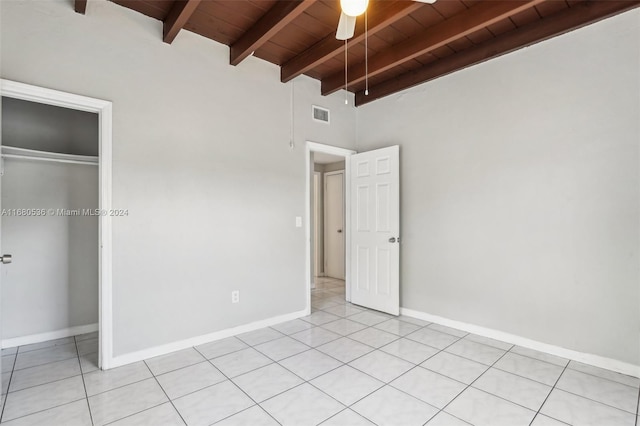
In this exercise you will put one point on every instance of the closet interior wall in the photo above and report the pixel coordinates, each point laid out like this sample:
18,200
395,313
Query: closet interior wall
52,284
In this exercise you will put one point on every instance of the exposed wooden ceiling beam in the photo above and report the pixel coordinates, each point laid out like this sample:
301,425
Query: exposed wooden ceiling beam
177,17
458,26
276,18
579,15
81,6
327,48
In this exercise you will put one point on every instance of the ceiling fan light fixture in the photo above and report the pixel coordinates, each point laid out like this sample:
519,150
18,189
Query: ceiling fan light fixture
354,7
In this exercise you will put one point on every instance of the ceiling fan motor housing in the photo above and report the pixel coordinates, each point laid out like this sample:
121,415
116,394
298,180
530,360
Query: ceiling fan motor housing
354,7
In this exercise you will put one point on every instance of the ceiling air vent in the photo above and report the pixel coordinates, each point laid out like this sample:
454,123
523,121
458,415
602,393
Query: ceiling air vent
320,114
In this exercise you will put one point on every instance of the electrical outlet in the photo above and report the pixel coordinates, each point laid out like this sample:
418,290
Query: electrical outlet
235,296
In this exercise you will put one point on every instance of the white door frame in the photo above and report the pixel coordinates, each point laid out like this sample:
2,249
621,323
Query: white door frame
317,265
341,152
27,92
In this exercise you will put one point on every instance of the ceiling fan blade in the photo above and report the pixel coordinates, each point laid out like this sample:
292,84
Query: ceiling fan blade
346,27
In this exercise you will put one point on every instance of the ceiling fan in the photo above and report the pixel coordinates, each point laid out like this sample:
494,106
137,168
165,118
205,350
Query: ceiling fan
352,9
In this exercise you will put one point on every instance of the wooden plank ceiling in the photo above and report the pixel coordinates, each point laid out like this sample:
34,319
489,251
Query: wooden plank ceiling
408,42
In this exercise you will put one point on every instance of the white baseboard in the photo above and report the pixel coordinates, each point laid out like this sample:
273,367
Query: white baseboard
591,359
50,335
199,340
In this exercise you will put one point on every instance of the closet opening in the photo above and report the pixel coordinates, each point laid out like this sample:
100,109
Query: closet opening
50,203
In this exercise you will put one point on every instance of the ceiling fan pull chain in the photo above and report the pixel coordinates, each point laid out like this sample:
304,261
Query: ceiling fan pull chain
366,54
346,83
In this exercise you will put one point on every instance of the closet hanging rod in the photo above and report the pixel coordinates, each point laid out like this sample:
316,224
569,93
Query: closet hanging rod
51,160
36,155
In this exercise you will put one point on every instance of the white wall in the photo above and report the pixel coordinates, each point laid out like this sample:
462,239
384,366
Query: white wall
520,190
52,283
201,159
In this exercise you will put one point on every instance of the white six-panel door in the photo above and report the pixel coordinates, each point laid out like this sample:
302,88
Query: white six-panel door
375,229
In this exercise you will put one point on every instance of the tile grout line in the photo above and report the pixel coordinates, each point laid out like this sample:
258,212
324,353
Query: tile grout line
86,356
304,381
123,386
378,323
139,381
45,363
566,367
458,338
118,387
338,334
6,396
638,408
525,377
548,395
400,337
169,354
234,383
133,414
243,410
593,375
163,391
45,383
46,347
46,409
239,388
339,412
316,346
56,406
382,387
521,376
593,400
59,405
472,382
84,385
420,366
205,360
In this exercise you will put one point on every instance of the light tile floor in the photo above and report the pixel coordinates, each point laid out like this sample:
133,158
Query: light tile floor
342,365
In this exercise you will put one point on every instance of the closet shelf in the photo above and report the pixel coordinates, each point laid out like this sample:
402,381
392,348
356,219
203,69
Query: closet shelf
32,154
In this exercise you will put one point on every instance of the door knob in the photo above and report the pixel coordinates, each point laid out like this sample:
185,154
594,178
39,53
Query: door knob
392,239
339,231
6,258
